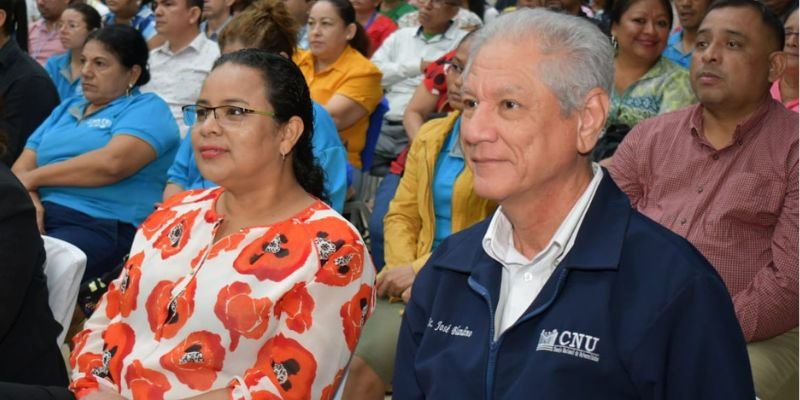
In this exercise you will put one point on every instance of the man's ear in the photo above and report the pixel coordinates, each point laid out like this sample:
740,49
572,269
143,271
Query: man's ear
777,64
195,13
592,119
3,18
291,131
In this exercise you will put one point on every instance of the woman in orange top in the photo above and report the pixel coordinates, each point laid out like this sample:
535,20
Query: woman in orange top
338,73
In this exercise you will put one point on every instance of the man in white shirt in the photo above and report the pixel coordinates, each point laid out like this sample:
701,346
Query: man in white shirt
402,58
179,66
565,292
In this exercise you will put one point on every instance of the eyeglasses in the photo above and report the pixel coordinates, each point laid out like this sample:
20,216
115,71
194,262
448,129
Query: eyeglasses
450,67
232,116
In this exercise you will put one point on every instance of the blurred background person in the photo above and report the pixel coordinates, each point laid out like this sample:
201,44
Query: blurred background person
645,83
681,42
43,34
216,14
77,22
338,72
28,95
98,163
136,13
377,25
267,25
785,89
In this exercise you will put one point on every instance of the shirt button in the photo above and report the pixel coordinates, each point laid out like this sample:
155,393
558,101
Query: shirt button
527,276
700,189
715,157
683,221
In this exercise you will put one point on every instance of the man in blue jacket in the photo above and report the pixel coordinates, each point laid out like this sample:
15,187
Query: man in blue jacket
566,292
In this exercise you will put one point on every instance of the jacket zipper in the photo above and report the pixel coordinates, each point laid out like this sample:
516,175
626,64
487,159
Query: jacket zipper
493,345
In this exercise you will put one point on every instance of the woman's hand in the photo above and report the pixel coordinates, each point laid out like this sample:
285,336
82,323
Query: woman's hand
394,281
104,393
406,296
37,204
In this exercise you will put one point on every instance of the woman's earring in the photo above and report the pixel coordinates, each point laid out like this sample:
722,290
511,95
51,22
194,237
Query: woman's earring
615,45
130,88
283,157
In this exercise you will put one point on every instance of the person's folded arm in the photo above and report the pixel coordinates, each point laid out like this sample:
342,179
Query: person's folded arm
422,104
122,157
345,111
394,67
768,306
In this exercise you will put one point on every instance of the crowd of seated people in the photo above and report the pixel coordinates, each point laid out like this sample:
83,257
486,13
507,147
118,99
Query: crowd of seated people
142,136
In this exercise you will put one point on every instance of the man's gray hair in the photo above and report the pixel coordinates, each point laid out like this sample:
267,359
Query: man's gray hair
578,57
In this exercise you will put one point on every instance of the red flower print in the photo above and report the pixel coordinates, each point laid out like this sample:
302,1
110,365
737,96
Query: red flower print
146,384
355,313
196,360
289,366
199,257
274,256
118,341
78,341
242,314
167,314
122,299
330,390
176,235
298,305
156,221
341,256
228,243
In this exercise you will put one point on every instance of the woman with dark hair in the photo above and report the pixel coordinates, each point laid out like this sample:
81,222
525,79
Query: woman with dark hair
645,83
339,75
255,289
267,25
77,22
97,164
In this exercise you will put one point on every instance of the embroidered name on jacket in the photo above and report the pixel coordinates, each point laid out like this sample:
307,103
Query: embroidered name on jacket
449,329
570,343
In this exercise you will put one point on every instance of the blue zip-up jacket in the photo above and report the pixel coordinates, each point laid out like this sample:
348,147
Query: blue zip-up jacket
632,312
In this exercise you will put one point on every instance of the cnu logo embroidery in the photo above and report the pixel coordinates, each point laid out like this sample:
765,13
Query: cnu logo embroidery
100,123
570,343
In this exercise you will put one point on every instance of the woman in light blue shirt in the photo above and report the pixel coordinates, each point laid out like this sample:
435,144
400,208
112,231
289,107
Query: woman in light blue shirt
98,163
77,22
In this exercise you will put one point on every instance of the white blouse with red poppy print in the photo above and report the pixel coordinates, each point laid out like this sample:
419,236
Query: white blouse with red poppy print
269,312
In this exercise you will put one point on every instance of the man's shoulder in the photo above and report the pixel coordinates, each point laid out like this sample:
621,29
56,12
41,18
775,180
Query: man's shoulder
664,127
461,246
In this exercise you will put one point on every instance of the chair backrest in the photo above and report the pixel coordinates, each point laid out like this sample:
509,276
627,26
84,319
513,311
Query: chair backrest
373,131
64,268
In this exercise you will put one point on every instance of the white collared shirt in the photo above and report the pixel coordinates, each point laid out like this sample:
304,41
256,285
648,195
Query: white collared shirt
178,77
524,278
399,59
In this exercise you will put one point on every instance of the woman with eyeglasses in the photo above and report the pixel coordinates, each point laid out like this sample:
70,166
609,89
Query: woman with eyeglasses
77,21
338,72
98,163
253,290
268,25
433,200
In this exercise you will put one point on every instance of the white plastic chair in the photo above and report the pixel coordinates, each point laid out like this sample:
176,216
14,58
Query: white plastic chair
64,268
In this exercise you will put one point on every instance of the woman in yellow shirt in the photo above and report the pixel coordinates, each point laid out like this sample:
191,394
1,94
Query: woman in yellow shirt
340,76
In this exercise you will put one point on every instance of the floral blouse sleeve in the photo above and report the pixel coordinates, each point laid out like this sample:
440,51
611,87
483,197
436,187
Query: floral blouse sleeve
267,312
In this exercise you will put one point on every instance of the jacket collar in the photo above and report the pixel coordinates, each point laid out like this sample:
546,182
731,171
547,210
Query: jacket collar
598,244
